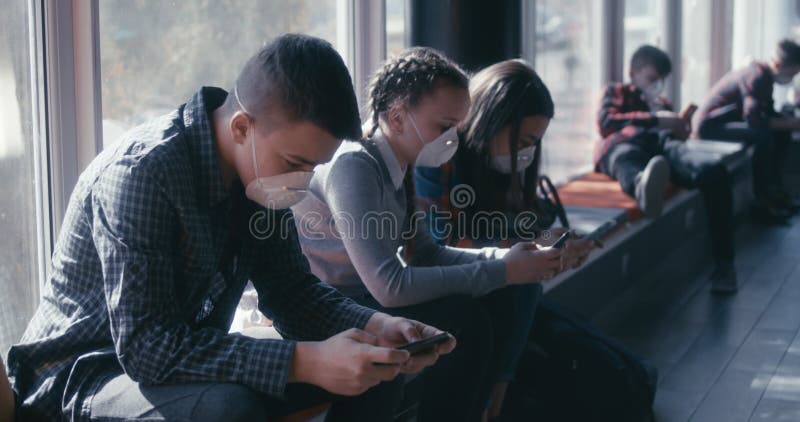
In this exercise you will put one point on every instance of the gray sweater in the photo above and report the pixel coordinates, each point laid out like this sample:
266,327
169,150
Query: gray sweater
350,228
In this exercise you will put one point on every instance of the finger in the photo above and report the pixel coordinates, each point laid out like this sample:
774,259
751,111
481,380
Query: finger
384,372
548,254
552,266
410,330
361,336
420,362
386,355
447,346
426,330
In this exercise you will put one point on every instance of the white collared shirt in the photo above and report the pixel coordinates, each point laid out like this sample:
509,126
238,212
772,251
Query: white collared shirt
396,171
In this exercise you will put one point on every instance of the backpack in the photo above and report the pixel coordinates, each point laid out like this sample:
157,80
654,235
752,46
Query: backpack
570,371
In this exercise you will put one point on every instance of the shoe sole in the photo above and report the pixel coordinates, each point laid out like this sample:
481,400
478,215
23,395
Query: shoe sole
655,178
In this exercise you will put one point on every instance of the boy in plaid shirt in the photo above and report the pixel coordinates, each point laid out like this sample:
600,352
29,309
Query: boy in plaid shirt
643,147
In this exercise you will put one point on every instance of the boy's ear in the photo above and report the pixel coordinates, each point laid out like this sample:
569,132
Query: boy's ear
239,125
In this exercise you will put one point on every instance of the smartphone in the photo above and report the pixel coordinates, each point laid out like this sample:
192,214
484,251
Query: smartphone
425,345
688,111
562,240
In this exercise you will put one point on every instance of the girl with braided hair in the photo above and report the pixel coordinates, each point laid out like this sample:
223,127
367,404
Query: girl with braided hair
360,211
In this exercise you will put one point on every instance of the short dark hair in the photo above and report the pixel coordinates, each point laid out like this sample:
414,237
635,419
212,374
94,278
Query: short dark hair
306,79
648,55
788,52
409,76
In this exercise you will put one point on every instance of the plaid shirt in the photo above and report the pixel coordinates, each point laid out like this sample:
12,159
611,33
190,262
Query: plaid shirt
743,95
624,114
149,267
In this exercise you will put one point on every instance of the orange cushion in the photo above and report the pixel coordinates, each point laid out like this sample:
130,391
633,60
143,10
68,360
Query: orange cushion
601,191
305,414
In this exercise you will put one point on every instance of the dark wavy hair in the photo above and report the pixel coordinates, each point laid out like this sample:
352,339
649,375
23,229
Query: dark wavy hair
503,94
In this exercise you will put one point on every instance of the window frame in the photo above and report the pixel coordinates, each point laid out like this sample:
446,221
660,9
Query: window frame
68,98
74,95
612,44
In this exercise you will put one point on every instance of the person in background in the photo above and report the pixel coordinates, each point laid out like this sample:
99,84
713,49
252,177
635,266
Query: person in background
498,159
643,147
158,243
361,210
740,107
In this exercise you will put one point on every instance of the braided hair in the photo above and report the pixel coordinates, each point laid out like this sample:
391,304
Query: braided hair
408,77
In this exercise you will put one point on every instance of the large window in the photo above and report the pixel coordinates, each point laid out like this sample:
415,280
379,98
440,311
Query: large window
759,27
645,23
395,26
567,57
696,50
156,54
18,208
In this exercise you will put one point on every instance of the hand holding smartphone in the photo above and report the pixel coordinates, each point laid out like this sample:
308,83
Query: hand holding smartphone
688,112
425,345
562,240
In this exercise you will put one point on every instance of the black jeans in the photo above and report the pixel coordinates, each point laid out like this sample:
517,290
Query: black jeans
769,152
121,398
690,170
491,333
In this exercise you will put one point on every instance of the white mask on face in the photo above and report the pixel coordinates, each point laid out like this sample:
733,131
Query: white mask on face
651,90
438,151
276,192
502,163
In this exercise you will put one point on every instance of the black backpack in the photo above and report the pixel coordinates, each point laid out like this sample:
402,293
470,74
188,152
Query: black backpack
570,371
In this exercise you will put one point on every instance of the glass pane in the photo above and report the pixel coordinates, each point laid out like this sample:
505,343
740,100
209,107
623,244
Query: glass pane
644,24
395,26
759,26
568,60
18,243
696,50
156,54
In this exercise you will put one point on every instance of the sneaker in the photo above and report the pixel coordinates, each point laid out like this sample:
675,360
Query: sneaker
651,186
723,279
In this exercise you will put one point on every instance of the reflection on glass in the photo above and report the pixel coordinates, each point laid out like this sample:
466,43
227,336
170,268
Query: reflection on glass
567,59
645,23
156,54
696,50
395,26
775,20
18,243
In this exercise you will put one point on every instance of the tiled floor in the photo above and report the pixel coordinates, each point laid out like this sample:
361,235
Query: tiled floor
727,359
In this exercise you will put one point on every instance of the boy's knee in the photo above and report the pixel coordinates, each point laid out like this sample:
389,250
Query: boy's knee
230,402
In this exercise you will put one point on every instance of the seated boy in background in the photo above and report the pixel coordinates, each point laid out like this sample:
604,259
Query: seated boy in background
740,107
643,147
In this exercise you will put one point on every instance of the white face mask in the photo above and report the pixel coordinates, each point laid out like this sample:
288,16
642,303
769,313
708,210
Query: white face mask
502,163
276,192
438,151
651,90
